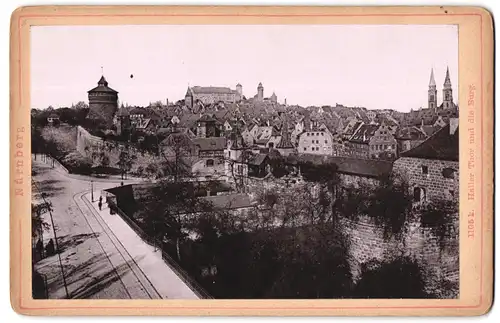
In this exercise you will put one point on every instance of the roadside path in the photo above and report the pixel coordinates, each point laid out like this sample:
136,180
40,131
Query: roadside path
146,259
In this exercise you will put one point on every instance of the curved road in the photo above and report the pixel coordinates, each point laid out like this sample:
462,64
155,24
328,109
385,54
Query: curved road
94,262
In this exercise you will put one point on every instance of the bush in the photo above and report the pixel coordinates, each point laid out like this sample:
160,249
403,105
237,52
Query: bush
77,163
401,277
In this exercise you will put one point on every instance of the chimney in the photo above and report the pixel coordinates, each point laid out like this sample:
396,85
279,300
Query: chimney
453,125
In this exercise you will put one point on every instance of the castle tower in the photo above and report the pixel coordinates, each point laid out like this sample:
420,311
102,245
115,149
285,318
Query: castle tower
123,122
188,98
274,98
103,103
432,93
447,91
260,92
239,89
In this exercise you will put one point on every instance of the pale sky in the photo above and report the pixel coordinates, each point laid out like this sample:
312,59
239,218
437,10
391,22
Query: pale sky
377,67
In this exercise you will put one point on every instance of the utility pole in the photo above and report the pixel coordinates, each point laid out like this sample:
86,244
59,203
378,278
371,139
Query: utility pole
92,190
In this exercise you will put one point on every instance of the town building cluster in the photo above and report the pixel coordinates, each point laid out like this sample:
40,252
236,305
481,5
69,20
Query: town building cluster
229,135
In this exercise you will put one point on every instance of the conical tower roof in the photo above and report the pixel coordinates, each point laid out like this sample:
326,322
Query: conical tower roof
102,81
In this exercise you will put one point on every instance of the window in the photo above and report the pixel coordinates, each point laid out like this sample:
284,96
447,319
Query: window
322,134
326,141
240,169
425,169
393,146
385,146
210,163
305,148
418,194
448,173
308,134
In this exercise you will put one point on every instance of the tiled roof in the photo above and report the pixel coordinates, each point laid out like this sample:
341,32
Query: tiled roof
442,145
212,143
102,86
207,118
410,133
212,89
188,120
430,130
257,159
364,133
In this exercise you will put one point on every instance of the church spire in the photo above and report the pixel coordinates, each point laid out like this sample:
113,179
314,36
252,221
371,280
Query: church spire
447,80
432,92
447,91
432,81
285,142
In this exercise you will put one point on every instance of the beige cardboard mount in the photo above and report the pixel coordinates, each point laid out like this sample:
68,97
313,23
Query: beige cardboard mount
476,179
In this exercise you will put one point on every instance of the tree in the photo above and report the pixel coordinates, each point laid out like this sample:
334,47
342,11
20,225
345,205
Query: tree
278,167
37,141
390,205
327,177
38,224
125,162
152,171
78,163
104,160
168,208
176,154
81,105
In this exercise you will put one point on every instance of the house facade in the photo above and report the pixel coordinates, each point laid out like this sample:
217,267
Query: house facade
432,168
318,142
211,94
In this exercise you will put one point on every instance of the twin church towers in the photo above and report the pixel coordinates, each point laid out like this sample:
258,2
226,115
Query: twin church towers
447,93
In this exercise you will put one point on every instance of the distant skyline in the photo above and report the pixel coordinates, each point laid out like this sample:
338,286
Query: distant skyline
372,66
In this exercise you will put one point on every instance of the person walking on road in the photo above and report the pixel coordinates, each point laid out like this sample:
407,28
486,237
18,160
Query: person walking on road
100,204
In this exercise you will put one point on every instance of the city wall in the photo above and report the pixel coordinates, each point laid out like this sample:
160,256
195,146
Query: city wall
88,145
367,242
438,185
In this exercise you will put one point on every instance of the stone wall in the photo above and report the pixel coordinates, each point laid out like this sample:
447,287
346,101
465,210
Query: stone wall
367,243
96,144
436,184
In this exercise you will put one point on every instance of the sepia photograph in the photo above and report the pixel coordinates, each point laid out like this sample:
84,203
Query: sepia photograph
245,162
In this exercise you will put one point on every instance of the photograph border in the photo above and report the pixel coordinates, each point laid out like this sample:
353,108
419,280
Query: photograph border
476,155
